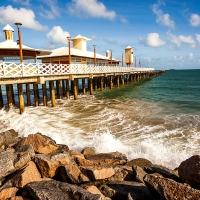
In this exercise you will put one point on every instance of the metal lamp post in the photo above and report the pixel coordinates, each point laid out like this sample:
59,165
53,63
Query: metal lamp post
18,24
94,54
122,59
111,57
69,56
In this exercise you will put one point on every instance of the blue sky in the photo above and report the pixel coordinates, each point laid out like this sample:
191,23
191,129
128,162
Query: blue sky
165,34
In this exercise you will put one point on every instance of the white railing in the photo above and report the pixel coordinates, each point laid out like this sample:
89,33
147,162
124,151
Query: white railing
8,70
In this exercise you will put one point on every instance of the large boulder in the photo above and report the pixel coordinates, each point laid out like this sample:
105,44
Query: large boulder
141,162
138,173
165,188
125,190
122,173
88,151
164,171
55,190
21,177
24,155
49,164
7,158
8,138
189,171
113,158
41,143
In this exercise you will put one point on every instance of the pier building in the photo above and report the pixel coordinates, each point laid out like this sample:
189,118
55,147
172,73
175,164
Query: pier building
59,72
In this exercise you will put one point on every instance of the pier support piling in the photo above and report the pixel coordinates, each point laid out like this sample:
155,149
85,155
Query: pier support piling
21,98
52,91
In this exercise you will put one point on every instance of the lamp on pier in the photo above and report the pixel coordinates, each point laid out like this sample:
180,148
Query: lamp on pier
122,59
69,54
19,41
111,57
94,54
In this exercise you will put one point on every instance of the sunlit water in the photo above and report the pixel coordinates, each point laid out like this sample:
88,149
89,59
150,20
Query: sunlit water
157,119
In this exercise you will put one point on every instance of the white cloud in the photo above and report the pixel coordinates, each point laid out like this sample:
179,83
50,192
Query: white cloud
152,40
191,55
25,16
198,37
163,19
188,40
195,20
53,12
123,19
22,2
58,36
91,8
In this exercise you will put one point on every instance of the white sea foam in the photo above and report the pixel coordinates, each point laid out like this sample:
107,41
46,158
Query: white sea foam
133,128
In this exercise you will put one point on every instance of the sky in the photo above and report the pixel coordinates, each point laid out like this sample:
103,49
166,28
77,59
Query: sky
165,34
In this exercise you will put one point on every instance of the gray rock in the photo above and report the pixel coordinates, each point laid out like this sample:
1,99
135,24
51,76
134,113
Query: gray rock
126,190
168,189
8,138
7,158
55,190
138,173
141,162
189,171
164,171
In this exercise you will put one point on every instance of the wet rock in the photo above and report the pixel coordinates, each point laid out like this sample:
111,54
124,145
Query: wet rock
49,164
62,148
8,138
8,193
164,171
76,154
141,162
71,173
125,190
113,158
164,188
189,171
138,173
55,190
26,175
88,151
94,190
24,155
41,143
7,158
98,173
122,173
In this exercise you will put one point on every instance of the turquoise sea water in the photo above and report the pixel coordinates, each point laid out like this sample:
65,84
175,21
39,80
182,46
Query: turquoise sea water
177,89
157,119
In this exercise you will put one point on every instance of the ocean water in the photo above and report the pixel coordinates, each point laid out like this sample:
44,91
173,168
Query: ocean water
157,119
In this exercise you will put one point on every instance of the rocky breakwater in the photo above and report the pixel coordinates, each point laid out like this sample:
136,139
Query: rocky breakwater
35,167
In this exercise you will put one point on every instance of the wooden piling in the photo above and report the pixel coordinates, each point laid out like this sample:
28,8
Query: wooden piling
83,86
1,98
75,88
21,98
90,86
9,95
53,96
44,92
35,88
58,88
111,82
122,79
101,83
67,89
28,94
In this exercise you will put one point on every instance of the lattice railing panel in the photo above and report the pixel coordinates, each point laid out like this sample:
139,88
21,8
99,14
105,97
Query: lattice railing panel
12,70
43,69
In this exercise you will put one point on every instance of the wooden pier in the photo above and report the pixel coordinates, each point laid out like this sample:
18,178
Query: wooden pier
58,77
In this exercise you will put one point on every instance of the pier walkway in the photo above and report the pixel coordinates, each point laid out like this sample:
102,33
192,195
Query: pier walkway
62,80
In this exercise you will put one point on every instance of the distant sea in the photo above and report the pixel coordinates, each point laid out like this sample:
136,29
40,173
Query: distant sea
157,119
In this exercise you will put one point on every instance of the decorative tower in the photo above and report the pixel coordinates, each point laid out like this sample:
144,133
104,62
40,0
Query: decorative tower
129,55
8,32
79,42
